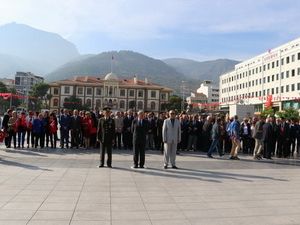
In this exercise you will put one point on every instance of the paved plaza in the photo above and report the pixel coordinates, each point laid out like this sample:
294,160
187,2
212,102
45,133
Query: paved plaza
65,187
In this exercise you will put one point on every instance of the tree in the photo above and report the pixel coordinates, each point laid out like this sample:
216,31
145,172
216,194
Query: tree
38,94
72,103
174,103
290,114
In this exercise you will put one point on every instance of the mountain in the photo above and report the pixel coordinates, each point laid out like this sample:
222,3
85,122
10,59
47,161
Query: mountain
207,70
125,64
37,50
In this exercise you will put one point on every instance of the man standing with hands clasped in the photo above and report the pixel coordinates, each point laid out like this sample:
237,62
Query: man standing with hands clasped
171,137
106,137
139,128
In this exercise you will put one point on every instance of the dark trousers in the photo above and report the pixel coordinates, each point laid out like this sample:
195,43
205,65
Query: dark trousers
280,147
37,137
139,154
21,138
12,135
118,140
246,144
47,135
215,145
267,149
30,138
105,148
127,139
75,139
53,140
64,138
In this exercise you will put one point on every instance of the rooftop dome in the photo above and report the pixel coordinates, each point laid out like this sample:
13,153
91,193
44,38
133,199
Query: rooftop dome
111,76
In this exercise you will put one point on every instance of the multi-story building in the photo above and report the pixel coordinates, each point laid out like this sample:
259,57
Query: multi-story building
271,78
9,83
25,80
210,90
119,94
197,101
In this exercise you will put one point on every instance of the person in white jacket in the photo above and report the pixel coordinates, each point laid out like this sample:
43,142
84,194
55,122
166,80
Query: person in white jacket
171,133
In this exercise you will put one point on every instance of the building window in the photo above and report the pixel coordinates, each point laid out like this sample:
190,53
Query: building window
298,71
277,90
131,93
89,91
67,90
293,58
273,77
132,104
298,86
98,103
122,92
268,66
268,79
88,103
55,102
98,91
273,64
287,88
55,91
277,76
80,91
282,61
287,74
140,105
287,60
282,75
122,104
293,73
153,94
282,89
272,91
152,105
277,63
299,56
293,87
140,93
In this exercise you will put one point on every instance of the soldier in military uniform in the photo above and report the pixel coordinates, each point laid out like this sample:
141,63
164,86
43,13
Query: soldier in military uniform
106,136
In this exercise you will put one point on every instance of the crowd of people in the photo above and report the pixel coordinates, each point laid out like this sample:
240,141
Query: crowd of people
258,136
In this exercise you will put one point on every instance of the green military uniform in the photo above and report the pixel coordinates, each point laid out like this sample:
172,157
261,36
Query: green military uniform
106,136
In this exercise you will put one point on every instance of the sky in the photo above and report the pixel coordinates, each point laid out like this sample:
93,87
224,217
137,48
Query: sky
194,29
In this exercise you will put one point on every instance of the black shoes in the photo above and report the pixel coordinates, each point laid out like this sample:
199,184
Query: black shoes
234,158
165,167
210,156
174,167
100,166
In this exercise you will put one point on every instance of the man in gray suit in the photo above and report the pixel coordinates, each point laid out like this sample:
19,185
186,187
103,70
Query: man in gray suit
171,133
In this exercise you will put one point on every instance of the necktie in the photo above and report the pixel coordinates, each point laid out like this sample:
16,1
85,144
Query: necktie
172,120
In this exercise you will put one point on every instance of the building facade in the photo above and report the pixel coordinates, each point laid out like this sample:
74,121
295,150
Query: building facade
119,94
210,90
25,80
272,78
9,83
196,101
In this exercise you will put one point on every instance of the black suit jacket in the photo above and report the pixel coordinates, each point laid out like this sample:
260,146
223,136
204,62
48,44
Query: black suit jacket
75,123
139,131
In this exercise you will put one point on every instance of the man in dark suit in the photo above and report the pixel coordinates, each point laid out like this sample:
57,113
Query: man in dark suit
6,117
64,122
139,128
106,137
75,129
127,135
267,137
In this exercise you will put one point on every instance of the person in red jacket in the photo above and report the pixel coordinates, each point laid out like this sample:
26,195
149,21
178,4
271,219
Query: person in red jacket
21,129
53,129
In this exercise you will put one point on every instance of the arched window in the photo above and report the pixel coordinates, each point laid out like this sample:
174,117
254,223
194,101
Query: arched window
140,105
152,105
132,104
98,103
55,102
122,104
89,102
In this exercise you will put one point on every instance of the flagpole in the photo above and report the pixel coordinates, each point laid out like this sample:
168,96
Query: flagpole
111,64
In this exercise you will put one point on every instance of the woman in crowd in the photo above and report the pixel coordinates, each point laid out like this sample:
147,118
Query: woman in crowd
38,130
21,129
30,136
53,129
12,129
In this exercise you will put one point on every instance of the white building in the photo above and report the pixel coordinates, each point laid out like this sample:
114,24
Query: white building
197,100
119,94
270,78
210,90
24,81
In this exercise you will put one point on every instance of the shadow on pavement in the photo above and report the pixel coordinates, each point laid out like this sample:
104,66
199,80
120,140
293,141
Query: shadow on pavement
22,165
